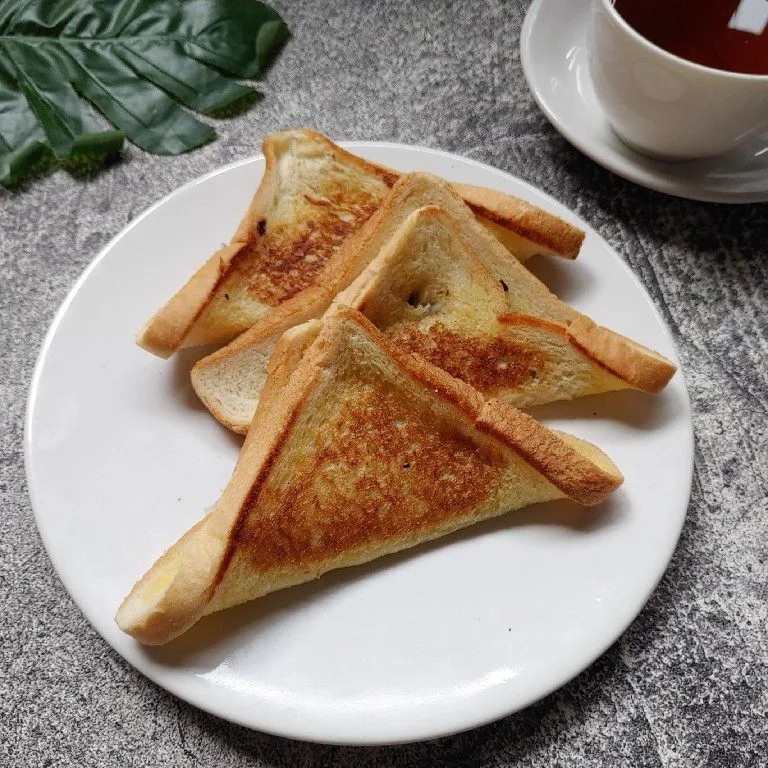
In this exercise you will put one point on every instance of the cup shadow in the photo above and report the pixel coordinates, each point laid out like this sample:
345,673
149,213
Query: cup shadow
212,636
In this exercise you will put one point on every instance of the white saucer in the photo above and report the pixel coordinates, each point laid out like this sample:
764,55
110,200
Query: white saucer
122,459
554,58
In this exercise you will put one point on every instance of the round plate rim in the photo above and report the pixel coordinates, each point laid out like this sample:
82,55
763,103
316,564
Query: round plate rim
196,701
629,171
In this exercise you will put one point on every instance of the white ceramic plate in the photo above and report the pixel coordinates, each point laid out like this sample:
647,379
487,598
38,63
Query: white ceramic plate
554,58
122,459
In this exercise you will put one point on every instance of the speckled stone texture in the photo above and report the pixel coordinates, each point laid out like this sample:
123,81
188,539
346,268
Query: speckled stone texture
687,684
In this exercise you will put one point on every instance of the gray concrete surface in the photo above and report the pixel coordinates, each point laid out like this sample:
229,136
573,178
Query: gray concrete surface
687,684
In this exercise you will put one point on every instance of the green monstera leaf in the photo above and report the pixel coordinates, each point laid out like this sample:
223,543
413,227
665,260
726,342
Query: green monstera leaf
136,62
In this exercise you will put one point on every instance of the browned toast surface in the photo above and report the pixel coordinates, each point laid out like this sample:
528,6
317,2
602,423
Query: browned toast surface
283,253
487,362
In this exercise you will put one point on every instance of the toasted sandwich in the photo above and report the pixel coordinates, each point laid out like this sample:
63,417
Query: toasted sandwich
358,449
490,322
313,195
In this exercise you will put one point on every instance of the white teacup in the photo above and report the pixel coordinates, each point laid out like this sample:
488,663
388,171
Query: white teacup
665,106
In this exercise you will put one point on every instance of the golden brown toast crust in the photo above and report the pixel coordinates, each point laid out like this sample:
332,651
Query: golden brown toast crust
167,624
284,361
577,477
530,222
640,367
515,318
165,331
278,268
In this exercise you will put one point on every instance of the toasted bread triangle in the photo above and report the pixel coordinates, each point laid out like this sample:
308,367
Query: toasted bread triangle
312,196
359,450
500,328
489,322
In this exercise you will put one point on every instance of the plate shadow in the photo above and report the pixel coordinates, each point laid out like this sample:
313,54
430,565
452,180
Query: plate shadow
565,278
181,383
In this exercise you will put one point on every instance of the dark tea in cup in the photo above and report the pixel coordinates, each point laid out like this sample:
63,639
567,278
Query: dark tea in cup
724,34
